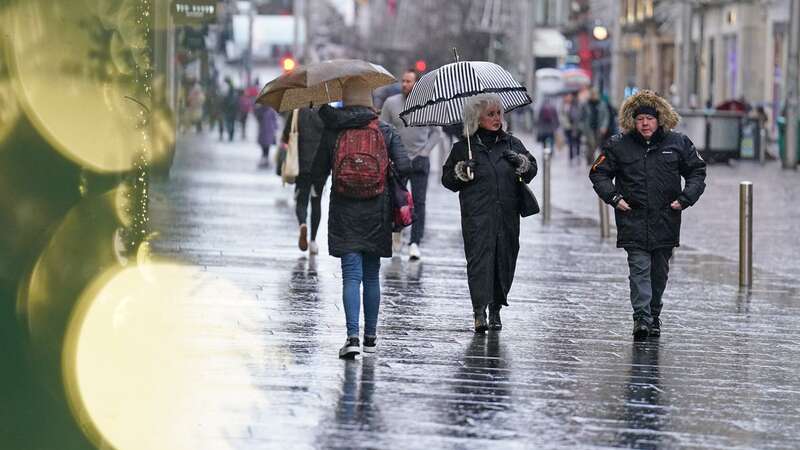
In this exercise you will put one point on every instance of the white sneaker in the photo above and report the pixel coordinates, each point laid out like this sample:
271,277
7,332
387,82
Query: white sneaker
313,248
413,252
397,242
350,349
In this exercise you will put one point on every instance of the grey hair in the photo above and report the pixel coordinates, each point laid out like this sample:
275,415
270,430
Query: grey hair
474,107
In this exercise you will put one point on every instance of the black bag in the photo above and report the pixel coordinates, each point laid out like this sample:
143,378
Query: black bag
528,205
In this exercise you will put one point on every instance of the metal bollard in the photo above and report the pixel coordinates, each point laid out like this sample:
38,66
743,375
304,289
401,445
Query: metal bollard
605,225
745,233
546,185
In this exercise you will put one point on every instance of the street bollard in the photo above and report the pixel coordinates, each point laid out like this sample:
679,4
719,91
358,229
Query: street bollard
546,185
745,234
605,225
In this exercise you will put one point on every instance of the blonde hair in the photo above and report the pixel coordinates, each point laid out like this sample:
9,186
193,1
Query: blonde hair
474,107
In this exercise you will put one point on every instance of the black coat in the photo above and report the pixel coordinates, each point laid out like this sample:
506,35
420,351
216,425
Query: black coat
648,176
309,133
489,215
356,225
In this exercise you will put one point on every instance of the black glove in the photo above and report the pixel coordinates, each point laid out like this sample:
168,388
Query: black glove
518,160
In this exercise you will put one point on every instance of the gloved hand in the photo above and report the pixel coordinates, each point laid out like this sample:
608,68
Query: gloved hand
521,162
461,169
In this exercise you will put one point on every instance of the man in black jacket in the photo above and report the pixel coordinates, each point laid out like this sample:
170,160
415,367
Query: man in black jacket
639,173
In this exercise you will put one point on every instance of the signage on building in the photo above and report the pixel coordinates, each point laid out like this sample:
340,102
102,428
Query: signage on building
190,12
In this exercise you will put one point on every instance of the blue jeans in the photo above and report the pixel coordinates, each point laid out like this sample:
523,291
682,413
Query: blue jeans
358,268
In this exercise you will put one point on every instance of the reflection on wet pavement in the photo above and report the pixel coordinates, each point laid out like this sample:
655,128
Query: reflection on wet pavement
563,373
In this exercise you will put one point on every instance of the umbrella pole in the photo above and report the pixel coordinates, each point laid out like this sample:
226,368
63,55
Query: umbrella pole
470,175
327,92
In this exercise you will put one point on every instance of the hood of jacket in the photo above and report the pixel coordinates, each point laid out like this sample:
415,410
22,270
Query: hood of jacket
668,118
347,117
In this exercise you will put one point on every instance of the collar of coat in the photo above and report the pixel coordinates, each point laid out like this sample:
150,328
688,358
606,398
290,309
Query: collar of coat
502,136
657,137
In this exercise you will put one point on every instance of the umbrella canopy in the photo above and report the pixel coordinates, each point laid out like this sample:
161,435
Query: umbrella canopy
319,83
576,78
438,97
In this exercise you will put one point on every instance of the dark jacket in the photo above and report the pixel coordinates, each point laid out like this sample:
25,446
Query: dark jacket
489,214
356,225
309,127
648,176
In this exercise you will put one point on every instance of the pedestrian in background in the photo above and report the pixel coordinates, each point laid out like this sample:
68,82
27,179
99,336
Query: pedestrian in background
639,173
489,203
570,119
547,124
195,101
267,120
359,224
418,141
309,133
230,107
594,123
247,98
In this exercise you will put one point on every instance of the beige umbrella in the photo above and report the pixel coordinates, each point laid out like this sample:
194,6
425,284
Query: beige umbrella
319,83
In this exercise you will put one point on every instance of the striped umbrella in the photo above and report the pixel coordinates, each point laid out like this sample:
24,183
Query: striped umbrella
438,97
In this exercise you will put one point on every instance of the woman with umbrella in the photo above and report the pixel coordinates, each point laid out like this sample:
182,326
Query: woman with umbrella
486,168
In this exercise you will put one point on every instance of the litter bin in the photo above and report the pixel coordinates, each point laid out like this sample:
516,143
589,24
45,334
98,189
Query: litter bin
782,136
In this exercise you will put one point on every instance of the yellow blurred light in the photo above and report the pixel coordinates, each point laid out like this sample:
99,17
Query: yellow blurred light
600,33
159,361
75,86
288,64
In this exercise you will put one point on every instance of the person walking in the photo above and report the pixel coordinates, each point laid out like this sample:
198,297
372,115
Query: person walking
489,203
360,220
267,120
418,141
247,98
570,122
639,173
195,101
594,123
547,124
230,107
310,128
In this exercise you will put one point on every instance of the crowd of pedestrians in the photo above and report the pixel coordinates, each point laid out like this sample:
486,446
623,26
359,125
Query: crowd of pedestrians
647,172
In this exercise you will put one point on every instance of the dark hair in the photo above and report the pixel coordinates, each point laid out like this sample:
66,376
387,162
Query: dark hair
416,75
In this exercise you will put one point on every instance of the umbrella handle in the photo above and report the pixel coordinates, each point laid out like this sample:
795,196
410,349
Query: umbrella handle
470,175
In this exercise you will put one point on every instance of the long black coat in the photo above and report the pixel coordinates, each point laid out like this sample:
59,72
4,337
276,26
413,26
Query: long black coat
489,215
648,176
309,127
357,225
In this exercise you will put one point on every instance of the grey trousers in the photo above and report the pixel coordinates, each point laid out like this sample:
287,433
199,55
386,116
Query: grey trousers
648,278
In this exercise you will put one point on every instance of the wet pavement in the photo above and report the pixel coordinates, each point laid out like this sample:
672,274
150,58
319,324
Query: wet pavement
563,373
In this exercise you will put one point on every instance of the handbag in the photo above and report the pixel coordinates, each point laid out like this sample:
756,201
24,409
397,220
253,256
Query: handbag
290,168
528,205
402,201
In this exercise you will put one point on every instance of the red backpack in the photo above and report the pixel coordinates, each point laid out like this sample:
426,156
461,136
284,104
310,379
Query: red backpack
361,162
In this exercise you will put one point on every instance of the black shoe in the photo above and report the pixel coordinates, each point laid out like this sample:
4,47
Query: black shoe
640,330
655,327
350,349
370,346
494,319
480,321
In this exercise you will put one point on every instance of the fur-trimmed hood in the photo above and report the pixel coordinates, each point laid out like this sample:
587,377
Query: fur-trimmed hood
668,118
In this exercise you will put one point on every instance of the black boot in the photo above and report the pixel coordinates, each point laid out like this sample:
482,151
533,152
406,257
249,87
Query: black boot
641,329
494,318
480,320
655,327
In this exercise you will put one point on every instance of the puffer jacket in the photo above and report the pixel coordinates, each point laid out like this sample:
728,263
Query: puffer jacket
647,174
357,225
